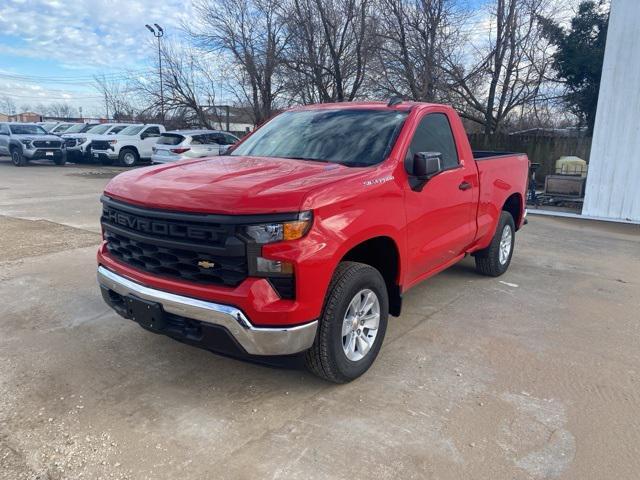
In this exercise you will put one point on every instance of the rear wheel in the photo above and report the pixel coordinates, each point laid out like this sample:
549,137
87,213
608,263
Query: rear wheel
352,326
495,259
18,158
128,157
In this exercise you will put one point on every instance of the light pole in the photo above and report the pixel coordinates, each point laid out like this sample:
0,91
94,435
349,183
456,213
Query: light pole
158,32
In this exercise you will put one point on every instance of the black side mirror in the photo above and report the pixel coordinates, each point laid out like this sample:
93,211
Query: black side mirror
424,166
427,164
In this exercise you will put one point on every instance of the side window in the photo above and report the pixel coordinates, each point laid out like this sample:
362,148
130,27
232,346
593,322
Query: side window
4,129
434,135
229,139
115,130
152,132
217,139
199,140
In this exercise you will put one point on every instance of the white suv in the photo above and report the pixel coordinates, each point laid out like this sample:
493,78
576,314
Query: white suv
129,146
184,144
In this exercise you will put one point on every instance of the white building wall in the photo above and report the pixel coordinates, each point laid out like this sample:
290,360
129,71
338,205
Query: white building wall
613,182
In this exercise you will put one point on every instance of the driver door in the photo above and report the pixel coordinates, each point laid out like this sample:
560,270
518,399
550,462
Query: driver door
149,137
440,217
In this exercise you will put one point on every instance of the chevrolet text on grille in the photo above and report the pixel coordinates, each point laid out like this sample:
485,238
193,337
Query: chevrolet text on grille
159,227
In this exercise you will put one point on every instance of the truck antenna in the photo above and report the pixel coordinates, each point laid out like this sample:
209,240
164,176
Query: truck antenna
393,101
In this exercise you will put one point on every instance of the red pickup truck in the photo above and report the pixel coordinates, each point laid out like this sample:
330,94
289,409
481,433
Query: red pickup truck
303,238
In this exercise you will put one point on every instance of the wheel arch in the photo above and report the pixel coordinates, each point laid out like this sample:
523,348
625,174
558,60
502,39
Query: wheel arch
130,147
382,253
514,206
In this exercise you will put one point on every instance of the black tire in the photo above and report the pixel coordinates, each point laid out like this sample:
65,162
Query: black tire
17,157
60,159
128,157
326,358
488,260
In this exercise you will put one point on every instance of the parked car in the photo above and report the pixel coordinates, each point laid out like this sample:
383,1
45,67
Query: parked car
28,141
307,234
62,128
184,144
78,145
129,146
48,126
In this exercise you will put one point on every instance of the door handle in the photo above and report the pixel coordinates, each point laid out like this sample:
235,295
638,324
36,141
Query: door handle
464,186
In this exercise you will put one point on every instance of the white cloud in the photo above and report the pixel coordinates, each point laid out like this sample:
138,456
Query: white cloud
81,38
86,33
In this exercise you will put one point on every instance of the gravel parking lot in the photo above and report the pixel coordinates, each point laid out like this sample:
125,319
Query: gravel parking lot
531,375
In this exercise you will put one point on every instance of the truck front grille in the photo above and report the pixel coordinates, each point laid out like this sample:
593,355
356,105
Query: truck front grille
182,246
46,143
190,265
100,145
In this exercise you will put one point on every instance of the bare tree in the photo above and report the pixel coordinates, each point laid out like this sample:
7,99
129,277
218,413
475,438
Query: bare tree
61,110
417,38
510,67
189,93
117,97
332,43
253,35
7,105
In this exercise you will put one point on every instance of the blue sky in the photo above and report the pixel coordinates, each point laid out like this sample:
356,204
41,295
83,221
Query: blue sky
50,49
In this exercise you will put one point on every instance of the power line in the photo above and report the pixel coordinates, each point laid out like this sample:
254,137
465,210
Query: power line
43,96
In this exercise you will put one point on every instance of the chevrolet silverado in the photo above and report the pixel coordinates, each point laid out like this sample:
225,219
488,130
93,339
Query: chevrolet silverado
303,239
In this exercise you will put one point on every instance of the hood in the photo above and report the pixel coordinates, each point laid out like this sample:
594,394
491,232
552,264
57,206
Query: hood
92,136
114,137
227,184
47,137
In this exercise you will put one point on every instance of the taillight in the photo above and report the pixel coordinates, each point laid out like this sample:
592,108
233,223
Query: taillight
180,150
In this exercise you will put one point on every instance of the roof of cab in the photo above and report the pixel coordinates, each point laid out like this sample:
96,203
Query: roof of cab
377,105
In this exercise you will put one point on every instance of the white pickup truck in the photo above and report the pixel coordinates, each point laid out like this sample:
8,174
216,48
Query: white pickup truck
131,145
78,145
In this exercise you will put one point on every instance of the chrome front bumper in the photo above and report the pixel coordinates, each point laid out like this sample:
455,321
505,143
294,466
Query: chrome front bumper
254,340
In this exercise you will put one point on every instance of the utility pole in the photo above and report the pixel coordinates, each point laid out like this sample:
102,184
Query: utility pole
158,32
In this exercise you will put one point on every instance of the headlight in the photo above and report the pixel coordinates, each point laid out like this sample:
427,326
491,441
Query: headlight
277,232
80,140
112,142
26,143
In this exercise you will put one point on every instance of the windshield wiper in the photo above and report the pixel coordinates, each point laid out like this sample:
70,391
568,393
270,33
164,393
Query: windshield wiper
309,159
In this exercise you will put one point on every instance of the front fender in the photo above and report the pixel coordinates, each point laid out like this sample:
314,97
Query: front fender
338,228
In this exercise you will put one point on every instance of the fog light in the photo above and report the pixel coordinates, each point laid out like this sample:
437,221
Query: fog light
265,265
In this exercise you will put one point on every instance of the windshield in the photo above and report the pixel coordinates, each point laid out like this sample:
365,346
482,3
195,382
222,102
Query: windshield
354,137
132,130
61,128
77,128
99,129
27,130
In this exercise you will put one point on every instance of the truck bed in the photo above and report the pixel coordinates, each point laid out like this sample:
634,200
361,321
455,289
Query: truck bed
480,155
506,172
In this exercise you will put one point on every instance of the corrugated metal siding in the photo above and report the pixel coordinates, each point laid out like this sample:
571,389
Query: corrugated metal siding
613,183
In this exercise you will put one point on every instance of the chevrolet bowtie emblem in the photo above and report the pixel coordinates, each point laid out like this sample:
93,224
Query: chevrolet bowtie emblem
206,264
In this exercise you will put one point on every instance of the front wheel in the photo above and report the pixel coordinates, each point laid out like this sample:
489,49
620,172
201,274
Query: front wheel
128,157
494,260
18,158
352,325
